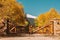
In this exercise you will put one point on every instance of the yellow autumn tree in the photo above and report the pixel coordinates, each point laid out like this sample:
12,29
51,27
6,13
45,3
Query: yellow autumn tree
43,19
40,20
51,14
12,10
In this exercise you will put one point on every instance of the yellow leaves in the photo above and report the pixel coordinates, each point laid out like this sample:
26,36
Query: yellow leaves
41,16
26,23
41,20
58,16
44,18
52,13
13,11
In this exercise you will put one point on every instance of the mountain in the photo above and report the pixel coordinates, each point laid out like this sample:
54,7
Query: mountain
31,19
30,16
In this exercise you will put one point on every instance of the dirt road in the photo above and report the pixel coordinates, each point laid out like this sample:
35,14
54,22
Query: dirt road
30,38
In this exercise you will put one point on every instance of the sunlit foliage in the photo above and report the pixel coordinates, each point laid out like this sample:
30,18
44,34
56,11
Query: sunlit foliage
12,10
44,18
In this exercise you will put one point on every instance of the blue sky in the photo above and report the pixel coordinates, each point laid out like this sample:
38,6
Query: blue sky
36,7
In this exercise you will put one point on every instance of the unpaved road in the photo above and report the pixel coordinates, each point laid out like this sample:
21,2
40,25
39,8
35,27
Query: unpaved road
30,38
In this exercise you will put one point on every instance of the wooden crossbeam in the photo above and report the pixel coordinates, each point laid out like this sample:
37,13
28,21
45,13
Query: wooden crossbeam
13,28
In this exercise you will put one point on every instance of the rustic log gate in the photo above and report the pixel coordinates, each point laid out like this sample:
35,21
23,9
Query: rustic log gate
47,29
11,28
